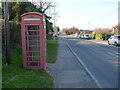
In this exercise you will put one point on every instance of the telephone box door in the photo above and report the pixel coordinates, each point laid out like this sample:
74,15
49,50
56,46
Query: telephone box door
32,36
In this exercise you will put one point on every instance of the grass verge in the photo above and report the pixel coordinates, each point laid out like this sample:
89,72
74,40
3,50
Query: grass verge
52,46
52,38
72,35
15,76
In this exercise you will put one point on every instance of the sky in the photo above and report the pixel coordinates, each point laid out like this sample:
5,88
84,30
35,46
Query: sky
86,14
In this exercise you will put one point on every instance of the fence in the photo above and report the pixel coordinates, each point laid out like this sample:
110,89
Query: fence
15,36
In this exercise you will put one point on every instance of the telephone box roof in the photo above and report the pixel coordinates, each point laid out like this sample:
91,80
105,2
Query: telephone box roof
30,13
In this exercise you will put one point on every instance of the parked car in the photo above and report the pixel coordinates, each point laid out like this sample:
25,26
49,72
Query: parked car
115,40
77,35
82,36
85,37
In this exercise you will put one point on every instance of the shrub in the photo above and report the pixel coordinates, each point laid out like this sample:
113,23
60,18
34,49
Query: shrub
92,36
99,36
106,36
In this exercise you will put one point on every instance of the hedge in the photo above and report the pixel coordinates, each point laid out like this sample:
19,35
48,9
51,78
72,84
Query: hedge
99,36
92,36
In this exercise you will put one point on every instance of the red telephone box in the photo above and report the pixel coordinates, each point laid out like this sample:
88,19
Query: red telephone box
33,40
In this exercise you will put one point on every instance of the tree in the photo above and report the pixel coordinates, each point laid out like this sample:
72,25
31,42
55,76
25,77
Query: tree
69,31
103,30
0,12
16,9
44,5
49,26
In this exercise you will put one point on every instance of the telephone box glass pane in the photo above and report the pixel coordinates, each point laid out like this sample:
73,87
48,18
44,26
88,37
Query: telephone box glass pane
35,49
31,27
28,33
32,36
32,43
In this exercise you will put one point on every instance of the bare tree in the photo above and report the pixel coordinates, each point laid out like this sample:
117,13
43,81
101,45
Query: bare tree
46,5
70,31
103,30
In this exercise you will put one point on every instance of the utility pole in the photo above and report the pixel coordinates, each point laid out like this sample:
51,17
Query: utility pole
55,32
54,14
88,24
7,32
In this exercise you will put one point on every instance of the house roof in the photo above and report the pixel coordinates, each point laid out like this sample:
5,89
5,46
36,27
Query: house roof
116,26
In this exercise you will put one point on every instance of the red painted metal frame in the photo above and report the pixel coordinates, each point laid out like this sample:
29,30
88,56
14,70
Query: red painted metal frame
27,60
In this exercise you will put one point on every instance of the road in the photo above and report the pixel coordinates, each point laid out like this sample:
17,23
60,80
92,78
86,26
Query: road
67,71
100,60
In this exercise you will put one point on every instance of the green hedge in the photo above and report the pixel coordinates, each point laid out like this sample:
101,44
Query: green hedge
92,36
99,36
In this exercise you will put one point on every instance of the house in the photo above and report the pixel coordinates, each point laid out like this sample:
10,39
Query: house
116,29
86,31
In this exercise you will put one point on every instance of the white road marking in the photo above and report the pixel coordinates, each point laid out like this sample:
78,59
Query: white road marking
93,77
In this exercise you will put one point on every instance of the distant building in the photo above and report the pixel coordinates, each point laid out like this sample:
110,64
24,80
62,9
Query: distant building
116,29
94,32
86,31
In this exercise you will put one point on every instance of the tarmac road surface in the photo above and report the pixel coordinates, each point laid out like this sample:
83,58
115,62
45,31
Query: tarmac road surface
100,60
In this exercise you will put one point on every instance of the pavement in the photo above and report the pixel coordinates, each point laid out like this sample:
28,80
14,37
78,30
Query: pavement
68,72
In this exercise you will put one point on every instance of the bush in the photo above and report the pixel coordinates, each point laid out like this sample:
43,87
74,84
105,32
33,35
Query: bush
92,36
106,36
99,36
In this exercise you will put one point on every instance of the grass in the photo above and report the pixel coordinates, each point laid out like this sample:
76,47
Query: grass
52,46
15,76
72,35
52,38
